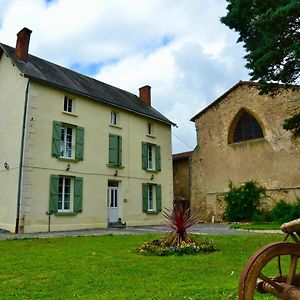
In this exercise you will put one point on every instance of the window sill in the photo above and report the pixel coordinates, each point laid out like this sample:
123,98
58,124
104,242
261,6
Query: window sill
69,113
243,143
115,126
65,213
67,159
152,171
115,166
151,136
152,212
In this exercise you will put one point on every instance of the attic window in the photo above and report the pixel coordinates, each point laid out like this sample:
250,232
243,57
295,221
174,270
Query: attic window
244,127
68,104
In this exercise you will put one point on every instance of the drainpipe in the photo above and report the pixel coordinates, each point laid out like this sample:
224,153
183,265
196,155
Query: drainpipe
22,158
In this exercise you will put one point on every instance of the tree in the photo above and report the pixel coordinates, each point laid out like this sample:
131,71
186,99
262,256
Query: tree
270,30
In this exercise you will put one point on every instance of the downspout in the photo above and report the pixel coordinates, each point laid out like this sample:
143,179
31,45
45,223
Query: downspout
22,158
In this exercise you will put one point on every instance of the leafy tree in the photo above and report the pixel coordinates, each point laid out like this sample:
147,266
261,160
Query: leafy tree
270,31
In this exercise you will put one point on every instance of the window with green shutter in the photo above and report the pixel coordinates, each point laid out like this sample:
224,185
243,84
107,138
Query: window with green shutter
151,198
151,158
115,150
63,141
62,199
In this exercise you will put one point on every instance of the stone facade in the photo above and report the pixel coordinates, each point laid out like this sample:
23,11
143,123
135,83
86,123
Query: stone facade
182,176
272,160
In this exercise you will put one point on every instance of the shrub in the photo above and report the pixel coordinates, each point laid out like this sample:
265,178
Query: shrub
179,241
284,212
243,201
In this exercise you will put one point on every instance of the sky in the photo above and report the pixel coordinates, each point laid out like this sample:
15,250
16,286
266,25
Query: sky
178,47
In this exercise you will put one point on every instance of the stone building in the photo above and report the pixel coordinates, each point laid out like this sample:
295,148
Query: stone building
182,176
240,138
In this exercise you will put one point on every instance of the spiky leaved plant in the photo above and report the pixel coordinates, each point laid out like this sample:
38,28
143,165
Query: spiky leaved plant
180,219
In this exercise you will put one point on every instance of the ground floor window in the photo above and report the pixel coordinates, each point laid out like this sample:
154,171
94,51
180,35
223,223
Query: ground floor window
151,197
65,194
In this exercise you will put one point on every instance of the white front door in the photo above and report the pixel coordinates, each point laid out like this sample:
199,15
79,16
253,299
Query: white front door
113,204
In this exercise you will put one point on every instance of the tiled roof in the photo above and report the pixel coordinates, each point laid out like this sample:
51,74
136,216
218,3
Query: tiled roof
54,75
182,155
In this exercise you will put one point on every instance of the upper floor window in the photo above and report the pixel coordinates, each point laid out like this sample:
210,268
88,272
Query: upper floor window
115,150
67,141
149,128
151,160
68,104
114,119
244,127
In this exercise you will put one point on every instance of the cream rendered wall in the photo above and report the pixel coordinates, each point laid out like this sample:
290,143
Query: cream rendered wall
12,97
274,161
46,105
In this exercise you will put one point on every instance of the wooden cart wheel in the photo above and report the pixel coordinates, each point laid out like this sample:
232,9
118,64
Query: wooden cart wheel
263,261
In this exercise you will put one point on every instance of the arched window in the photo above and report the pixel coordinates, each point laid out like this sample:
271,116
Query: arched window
244,127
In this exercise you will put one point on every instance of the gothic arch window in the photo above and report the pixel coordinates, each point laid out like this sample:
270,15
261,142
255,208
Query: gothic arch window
244,127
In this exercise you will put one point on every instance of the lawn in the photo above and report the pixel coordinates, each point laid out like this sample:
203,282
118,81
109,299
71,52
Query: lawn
108,267
256,226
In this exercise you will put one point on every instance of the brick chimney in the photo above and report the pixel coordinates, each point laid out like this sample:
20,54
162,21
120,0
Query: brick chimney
145,94
22,44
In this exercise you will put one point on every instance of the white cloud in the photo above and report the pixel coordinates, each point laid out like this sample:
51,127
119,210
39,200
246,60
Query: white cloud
179,47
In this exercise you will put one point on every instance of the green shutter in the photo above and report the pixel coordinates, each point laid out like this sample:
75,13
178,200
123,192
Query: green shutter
78,194
56,137
113,149
158,197
145,196
144,155
157,158
120,150
79,148
53,202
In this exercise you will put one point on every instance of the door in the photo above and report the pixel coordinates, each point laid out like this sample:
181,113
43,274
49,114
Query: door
113,202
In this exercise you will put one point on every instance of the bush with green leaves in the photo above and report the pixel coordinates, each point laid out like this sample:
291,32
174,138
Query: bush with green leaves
284,212
243,201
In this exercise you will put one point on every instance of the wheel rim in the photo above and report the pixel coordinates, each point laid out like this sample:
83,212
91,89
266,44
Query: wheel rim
259,262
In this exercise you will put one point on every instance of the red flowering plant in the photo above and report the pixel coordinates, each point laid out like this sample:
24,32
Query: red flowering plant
178,241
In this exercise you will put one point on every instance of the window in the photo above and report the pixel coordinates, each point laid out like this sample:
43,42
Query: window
65,139
151,160
151,197
65,194
245,128
150,129
66,142
68,104
114,118
115,150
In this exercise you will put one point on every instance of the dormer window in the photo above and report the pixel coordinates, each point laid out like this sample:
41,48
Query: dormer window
68,105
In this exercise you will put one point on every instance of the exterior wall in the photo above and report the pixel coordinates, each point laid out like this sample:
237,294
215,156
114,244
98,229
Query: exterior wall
182,178
274,161
12,98
46,106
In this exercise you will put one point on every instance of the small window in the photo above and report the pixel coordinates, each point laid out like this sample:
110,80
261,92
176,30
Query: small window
151,161
115,150
68,104
151,206
150,129
114,118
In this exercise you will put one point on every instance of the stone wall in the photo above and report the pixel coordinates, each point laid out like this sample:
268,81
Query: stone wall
274,160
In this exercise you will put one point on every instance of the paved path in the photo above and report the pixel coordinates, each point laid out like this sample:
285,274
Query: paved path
199,229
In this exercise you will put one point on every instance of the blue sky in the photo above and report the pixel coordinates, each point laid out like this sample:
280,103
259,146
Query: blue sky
178,47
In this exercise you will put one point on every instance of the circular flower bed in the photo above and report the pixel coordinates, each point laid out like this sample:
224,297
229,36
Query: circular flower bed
165,246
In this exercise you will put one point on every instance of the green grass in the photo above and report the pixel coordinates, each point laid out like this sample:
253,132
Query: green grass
257,226
108,267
